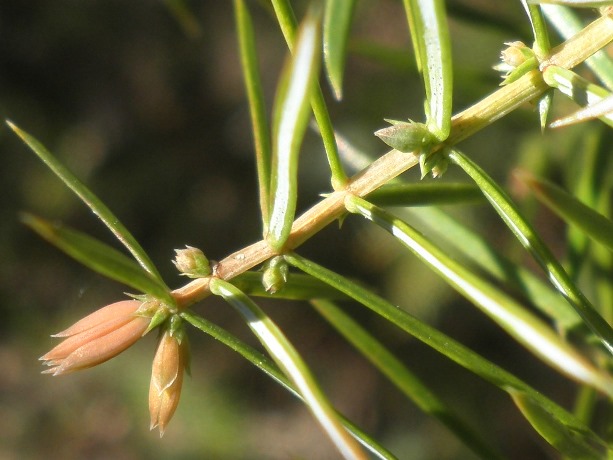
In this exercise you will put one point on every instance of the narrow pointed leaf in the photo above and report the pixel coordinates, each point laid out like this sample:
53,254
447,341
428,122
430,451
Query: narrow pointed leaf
575,3
292,365
252,355
567,23
425,194
402,377
297,287
539,29
585,182
572,210
430,35
91,200
518,322
290,121
442,343
526,235
267,366
600,109
472,247
544,105
577,88
568,442
257,109
99,257
287,23
337,23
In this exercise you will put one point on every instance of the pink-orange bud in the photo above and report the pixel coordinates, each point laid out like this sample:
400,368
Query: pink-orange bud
166,380
97,338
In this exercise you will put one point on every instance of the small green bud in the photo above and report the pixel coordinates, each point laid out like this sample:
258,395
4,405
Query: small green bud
275,274
516,60
405,137
435,163
192,262
516,54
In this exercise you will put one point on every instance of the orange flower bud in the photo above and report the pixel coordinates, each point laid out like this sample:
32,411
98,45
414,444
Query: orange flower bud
166,379
97,338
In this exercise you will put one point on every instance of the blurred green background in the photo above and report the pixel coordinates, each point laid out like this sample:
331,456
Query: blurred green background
151,113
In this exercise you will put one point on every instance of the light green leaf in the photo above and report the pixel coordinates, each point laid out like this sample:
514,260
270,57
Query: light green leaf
402,377
430,35
571,210
425,194
472,247
568,24
544,105
577,88
290,121
267,366
533,243
91,200
539,29
600,109
517,321
337,22
257,109
440,342
99,257
287,22
297,287
574,445
574,3
590,183
292,365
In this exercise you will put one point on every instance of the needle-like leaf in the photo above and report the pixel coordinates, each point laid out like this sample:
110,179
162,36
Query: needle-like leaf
292,365
291,117
337,22
99,257
571,210
266,365
259,123
566,21
472,247
91,200
601,109
287,23
517,321
296,287
531,241
560,436
581,91
574,3
425,194
448,347
430,35
402,377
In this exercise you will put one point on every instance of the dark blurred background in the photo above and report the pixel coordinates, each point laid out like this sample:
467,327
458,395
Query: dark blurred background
149,109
